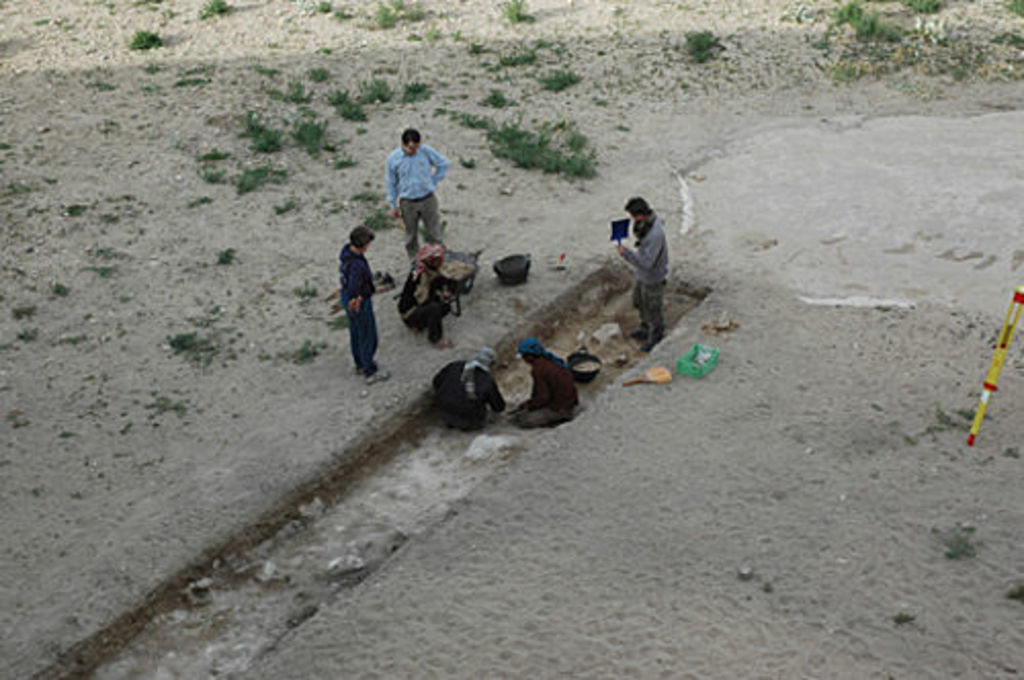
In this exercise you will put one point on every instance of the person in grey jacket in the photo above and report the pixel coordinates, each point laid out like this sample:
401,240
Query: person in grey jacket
650,271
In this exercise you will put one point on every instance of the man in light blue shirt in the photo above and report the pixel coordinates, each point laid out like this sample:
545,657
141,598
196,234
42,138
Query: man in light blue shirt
413,172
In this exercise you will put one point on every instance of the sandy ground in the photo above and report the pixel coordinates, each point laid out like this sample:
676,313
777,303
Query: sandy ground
826,451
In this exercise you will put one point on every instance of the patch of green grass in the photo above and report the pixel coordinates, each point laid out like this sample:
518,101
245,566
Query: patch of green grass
59,289
73,340
305,292
264,139
28,335
199,350
310,135
1017,7
415,92
214,155
286,207
903,618
101,86
75,210
1017,592
516,12
367,197
163,404
191,82
528,149
253,178
495,99
703,46
556,81
467,163
473,121
318,75
226,256
375,90
324,8
1012,452
214,8
211,174
379,220
306,353
924,6
295,94
264,71
476,48
388,15
23,312
340,322
520,58
145,40
346,107
102,271
868,27
1011,39
343,15
344,162
958,543
196,202
17,419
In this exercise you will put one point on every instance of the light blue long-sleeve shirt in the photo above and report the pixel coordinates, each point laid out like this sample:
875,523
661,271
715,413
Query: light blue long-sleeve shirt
414,176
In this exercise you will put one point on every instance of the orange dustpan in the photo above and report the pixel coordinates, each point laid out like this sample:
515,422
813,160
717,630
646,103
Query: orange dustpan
657,375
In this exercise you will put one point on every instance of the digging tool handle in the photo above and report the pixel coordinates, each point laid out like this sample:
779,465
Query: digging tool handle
635,381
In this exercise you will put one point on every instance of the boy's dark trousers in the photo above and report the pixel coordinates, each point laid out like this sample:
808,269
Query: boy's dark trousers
362,335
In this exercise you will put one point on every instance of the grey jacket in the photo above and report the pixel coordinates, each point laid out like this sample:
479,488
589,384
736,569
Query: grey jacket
650,259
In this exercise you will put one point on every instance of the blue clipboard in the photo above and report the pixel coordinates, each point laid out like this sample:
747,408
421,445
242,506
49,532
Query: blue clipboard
620,230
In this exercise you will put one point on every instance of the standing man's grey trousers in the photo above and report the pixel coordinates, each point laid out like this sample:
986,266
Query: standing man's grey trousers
414,210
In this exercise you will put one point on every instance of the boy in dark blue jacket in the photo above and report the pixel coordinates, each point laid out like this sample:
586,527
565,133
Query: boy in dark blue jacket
357,298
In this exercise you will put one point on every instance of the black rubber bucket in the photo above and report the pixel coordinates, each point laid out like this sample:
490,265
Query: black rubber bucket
583,366
512,270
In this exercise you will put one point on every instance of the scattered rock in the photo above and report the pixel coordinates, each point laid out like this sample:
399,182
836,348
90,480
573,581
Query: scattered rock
487,447
745,572
267,572
606,333
198,593
314,508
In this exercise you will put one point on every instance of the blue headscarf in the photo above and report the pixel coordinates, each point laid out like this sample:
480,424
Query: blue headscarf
531,347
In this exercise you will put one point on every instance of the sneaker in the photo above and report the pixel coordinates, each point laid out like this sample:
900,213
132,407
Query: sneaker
649,345
379,376
639,334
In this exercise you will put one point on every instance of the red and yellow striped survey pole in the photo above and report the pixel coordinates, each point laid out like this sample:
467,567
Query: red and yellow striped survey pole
1002,345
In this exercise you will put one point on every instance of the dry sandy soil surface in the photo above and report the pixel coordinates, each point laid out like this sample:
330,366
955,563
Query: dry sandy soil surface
173,388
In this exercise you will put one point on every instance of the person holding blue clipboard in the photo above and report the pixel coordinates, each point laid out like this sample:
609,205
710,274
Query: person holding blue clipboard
650,269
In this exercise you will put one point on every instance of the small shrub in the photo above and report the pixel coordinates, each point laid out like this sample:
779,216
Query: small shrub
214,155
1017,592
385,17
866,26
342,15
286,207
163,404
924,6
473,121
59,289
324,8
296,93
319,75
305,292
903,618
310,135
379,220
346,107
476,48
226,256
214,8
75,210
375,90
306,353
25,312
253,178
415,92
145,40
703,45
523,58
344,162
28,335
515,12
202,200
104,272
495,99
556,81
212,175
1017,7
530,150
367,197
958,543
467,163
338,323
264,139
1011,39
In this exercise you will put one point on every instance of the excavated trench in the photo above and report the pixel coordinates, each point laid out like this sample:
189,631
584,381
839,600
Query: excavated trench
239,598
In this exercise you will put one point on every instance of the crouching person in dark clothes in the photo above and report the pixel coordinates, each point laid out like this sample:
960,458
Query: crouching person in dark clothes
553,399
426,295
464,389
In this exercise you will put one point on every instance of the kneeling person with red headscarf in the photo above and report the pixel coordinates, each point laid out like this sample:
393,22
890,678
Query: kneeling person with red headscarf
427,293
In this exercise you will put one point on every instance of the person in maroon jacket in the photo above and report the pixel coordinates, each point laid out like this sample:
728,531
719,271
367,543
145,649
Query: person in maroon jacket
553,399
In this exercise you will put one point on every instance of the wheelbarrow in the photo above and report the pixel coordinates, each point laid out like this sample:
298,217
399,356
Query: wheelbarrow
460,267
